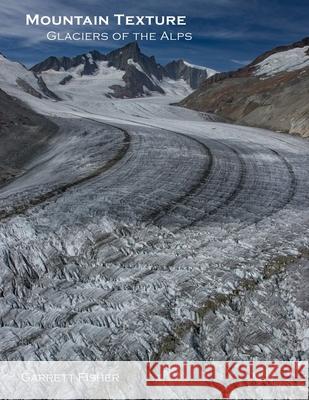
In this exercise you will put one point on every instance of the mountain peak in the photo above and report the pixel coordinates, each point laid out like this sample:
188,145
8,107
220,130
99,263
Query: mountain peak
141,73
132,45
119,58
96,54
130,48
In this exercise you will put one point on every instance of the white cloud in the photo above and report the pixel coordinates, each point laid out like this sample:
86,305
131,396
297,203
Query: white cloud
14,11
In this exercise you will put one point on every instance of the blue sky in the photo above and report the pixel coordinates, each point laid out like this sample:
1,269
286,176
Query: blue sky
226,33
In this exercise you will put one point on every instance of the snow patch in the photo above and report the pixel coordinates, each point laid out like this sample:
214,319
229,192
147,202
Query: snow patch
90,58
177,89
290,60
11,72
210,71
84,88
135,64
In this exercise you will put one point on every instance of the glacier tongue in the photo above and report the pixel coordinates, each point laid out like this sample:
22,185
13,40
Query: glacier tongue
160,236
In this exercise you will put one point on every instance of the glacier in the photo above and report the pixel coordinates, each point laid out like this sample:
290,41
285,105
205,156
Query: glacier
148,231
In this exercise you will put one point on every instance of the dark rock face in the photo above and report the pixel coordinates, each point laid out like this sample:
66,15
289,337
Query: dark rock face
136,82
65,80
142,73
23,133
119,59
277,102
53,63
57,63
28,88
45,89
89,67
180,70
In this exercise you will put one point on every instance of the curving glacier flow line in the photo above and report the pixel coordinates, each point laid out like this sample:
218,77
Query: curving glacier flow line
42,198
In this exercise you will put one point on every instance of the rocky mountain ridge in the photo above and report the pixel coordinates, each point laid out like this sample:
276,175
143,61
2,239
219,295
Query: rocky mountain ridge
142,74
16,78
271,92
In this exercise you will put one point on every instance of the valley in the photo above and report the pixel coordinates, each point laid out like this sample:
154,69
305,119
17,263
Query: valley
143,230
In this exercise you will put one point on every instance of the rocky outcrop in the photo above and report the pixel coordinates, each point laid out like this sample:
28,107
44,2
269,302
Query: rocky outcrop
45,89
277,101
141,72
137,84
16,79
27,88
66,63
131,54
65,80
55,63
193,75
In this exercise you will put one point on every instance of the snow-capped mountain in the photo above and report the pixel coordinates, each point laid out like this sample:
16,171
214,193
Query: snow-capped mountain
122,73
15,79
271,92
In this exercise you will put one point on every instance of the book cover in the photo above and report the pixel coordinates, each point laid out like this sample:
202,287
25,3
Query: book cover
154,199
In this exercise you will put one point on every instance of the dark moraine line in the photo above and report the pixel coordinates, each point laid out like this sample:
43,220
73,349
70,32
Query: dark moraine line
156,215
21,209
238,187
289,198
291,191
